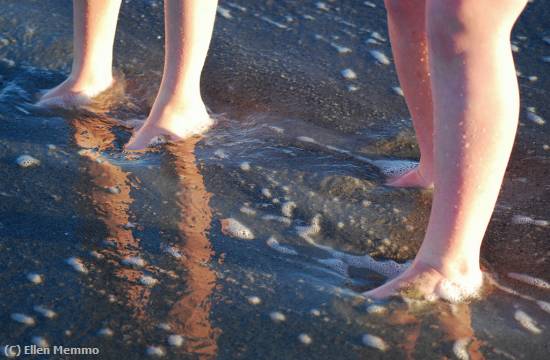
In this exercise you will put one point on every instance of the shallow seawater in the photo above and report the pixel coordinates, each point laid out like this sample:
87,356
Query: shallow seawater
254,241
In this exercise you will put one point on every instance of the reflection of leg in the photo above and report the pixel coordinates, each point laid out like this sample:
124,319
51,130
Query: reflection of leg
407,28
179,111
94,34
190,316
476,106
112,207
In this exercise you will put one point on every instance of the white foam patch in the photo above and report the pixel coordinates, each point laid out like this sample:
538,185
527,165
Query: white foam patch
544,305
398,90
224,12
537,119
278,130
392,168
312,229
306,139
527,322
460,348
232,227
277,316
458,293
173,251
23,319
376,309
35,278
274,244
267,193
45,312
105,332
27,161
247,210
254,300
245,166
77,265
527,220
337,265
155,351
531,280
273,22
175,340
380,57
287,208
375,342
148,281
370,4
348,74
281,219
305,339
40,341
134,261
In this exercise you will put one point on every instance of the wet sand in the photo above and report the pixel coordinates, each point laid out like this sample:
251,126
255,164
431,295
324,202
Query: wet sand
151,271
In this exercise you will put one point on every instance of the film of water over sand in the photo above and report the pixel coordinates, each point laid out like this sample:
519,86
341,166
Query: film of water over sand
256,240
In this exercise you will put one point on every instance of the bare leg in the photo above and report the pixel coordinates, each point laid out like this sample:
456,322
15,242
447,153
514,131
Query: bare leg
476,106
179,111
94,27
407,28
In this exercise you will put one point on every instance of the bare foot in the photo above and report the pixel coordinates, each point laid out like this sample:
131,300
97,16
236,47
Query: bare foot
423,282
172,123
72,93
411,178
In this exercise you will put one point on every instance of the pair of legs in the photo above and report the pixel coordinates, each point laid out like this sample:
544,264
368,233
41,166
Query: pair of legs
456,69
178,110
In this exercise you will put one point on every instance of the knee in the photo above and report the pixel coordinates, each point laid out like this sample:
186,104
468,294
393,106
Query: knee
455,24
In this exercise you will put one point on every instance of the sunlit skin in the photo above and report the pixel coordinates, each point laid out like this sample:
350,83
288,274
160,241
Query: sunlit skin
190,316
475,109
178,111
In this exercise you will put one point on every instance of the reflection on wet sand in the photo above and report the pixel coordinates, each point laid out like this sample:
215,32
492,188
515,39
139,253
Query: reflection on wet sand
456,324
190,316
110,196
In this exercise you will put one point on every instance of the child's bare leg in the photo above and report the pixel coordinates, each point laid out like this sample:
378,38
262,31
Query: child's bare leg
476,105
179,111
407,28
94,27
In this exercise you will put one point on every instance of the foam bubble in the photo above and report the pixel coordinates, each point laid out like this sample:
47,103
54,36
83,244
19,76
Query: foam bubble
457,293
376,309
247,210
224,12
315,312
313,229
245,166
148,280
375,342
175,340
77,264
391,168
544,305
306,139
305,339
348,74
460,348
288,208
322,6
105,332
274,244
234,228
398,90
527,322
155,351
135,261
23,319
337,265
267,193
277,316
370,4
39,341
35,278
26,161
537,119
173,251
280,219
47,313
277,129
530,280
254,300
380,57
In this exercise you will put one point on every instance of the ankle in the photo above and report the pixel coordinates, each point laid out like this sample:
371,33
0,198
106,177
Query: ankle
451,268
80,82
